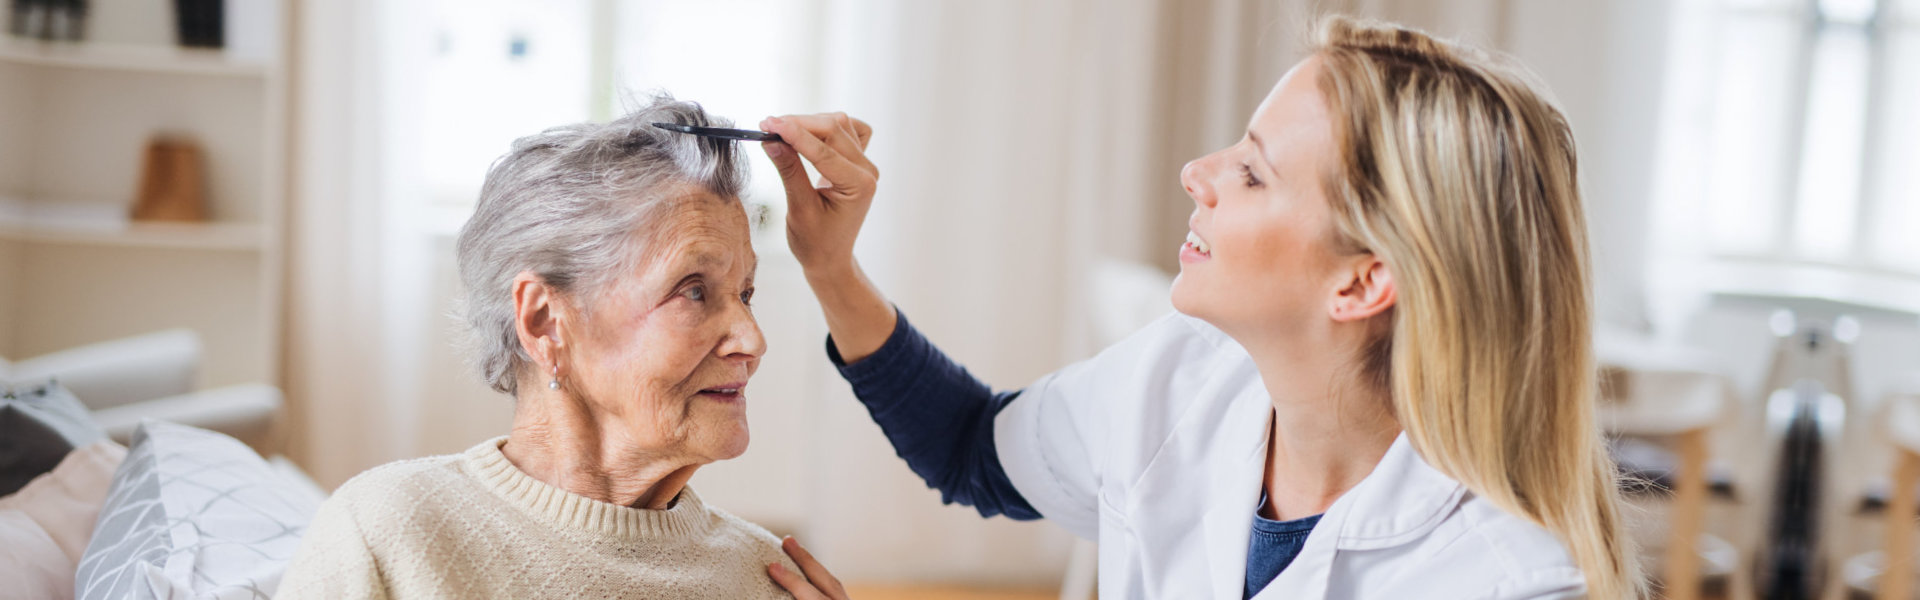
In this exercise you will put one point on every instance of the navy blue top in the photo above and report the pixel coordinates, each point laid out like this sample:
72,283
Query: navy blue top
939,418
1272,547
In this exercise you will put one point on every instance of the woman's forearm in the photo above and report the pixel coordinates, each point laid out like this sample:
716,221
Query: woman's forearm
939,418
858,317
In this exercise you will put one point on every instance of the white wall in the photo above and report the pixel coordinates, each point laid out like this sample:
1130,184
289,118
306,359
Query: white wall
1603,61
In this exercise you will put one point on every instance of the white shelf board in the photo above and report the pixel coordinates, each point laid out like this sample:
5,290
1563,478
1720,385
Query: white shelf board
126,57
107,225
1884,290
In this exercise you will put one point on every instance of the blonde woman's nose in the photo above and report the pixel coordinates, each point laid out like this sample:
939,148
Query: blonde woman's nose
1193,178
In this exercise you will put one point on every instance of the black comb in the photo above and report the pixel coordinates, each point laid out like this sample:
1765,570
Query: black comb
723,133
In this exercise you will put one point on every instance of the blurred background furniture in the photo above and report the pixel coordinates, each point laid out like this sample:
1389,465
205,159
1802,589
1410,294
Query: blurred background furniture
153,376
1670,395
1903,429
76,119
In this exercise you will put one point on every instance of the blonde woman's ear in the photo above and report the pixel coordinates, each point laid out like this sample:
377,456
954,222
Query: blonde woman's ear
1369,292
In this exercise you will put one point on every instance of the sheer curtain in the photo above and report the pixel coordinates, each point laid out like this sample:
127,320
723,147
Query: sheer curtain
337,375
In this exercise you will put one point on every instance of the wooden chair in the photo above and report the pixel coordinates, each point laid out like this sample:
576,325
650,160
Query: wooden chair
1652,390
1903,429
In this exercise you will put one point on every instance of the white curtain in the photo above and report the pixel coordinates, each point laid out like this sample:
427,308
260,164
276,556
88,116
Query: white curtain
336,374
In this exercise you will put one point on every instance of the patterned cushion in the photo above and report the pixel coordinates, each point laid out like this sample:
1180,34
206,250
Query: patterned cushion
39,425
193,514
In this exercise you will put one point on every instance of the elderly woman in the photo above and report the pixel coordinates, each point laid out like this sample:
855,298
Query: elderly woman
608,274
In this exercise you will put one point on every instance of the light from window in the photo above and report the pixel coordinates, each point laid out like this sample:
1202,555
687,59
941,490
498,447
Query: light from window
488,72
1896,220
1752,104
740,59
1789,150
1833,140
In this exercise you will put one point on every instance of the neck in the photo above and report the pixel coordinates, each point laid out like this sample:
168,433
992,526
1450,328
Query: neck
1328,431
561,444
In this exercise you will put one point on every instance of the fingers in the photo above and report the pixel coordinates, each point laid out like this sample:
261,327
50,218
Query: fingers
794,583
860,129
842,171
837,131
855,128
793,174
815,572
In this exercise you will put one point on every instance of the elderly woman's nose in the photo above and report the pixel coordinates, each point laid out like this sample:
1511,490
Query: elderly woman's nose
1194,178
744,341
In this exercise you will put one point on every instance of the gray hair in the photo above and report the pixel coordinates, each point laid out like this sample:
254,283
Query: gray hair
573,204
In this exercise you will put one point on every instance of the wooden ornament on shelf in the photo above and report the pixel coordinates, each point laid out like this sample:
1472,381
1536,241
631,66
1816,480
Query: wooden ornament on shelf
172,182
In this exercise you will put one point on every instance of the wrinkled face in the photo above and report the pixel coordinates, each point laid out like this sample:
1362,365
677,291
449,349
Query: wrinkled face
1261,255
665,355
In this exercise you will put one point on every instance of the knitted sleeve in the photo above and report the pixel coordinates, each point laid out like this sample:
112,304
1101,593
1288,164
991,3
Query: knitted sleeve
334,560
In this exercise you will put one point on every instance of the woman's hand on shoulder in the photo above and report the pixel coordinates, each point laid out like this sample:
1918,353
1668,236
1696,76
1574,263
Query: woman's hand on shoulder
818,583
823,220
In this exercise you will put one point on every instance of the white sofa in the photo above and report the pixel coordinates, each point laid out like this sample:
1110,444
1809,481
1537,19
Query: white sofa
151,376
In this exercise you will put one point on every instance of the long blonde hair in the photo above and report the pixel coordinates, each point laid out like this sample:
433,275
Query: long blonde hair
1462,179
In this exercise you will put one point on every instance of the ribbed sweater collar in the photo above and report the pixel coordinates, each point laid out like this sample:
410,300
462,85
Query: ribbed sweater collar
688,518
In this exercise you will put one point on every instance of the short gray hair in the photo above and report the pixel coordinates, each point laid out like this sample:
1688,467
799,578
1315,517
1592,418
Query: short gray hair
572,204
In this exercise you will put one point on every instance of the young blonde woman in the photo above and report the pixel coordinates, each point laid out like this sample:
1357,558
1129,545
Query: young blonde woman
1378,385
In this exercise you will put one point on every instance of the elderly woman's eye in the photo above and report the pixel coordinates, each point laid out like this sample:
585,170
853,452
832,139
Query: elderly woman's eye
696,293
746,297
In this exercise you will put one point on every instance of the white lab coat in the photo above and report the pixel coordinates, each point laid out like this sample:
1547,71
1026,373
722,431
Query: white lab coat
1155,450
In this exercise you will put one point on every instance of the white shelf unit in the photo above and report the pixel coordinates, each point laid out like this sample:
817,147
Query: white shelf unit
75,119
138,58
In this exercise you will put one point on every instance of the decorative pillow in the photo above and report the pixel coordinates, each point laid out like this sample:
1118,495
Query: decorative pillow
66,501
39,425
193,514
30,561
45,526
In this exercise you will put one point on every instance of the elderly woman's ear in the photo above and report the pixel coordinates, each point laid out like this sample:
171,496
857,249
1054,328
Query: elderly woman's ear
537,316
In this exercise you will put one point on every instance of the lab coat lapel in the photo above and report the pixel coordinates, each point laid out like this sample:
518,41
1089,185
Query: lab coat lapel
1235,495
1401,500
1307,576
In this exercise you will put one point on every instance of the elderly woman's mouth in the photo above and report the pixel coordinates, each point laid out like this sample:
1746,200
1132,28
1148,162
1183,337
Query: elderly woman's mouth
729,392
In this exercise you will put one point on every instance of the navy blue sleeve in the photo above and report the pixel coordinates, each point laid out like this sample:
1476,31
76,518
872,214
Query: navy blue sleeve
938,417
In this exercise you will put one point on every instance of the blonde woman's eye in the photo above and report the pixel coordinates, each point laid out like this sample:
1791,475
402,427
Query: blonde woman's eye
1247,170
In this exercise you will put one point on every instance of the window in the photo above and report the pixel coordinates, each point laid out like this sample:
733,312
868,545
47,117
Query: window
741,59
1787,164
464,78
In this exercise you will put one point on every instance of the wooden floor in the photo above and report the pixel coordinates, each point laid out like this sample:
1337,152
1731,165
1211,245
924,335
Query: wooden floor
935,592
924,592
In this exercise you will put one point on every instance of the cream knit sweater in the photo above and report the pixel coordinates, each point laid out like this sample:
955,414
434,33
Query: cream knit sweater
473,526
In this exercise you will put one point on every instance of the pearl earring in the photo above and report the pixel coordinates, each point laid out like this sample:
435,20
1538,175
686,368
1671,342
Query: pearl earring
554,384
